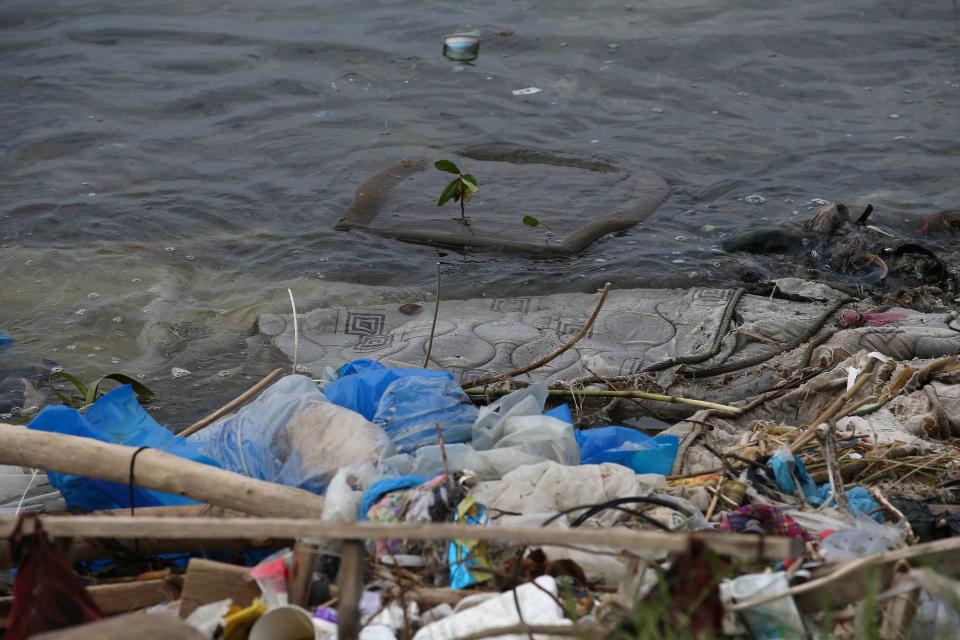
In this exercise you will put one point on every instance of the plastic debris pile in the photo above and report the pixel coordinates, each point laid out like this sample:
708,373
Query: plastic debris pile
854,456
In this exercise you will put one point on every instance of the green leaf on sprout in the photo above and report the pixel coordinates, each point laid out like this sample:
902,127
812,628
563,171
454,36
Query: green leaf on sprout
470,182
452,190
446,165
531,222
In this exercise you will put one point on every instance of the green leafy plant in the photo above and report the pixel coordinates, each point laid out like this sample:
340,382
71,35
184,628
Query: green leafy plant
460,189
87,394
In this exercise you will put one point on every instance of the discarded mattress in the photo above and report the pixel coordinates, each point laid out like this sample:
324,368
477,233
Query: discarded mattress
718,344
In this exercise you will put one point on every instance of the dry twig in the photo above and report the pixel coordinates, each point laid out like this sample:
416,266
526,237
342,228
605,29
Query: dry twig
491,378
236,403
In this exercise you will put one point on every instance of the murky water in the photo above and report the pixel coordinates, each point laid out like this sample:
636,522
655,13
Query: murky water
168,169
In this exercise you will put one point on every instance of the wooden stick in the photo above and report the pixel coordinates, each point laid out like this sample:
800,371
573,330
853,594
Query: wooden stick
641,395
351,589
491,378
433,325
735,545
716,499
93,549
304,562
446,467
844,570
176,511
155,469
123,597
296,332
236,403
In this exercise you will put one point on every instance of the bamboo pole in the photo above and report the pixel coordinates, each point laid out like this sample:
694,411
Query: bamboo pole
630,393
351,590
125,527
154,470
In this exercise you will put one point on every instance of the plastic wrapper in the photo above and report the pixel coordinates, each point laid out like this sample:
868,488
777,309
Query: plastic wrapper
488,465
468,560
292,435
271,577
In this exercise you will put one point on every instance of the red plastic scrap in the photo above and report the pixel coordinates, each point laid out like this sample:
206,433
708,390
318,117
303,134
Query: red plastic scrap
872,318
47,594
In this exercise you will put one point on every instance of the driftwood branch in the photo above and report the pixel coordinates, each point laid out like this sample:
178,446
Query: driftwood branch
126,527
155,469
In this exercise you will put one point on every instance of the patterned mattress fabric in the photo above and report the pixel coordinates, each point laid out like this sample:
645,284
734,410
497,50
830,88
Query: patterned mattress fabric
765,339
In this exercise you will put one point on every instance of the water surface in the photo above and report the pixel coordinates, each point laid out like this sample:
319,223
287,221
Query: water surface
168,169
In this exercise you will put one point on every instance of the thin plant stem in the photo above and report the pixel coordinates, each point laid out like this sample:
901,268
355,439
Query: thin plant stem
433,327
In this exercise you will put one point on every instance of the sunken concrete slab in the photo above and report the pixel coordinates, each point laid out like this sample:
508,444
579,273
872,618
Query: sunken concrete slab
576,202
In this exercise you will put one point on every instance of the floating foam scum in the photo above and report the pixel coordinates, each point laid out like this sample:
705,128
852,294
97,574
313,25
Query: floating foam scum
580,201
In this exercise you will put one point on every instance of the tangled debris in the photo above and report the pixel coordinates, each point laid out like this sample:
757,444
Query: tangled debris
825,504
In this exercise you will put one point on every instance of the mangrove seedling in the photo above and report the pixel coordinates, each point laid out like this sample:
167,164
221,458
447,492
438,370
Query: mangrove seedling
460,189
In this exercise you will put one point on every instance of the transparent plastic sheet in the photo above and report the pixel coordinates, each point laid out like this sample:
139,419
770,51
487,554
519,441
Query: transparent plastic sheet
508,434
291,434
488,465
492,419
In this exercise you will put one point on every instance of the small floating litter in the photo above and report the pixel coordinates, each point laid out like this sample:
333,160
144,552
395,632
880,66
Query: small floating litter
462,47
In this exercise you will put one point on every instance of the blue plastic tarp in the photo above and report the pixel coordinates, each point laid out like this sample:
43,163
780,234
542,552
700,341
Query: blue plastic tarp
412,407
5,340
629,448
116,418
361,392
406,403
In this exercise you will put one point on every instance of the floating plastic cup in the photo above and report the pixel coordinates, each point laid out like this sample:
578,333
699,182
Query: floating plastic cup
462,47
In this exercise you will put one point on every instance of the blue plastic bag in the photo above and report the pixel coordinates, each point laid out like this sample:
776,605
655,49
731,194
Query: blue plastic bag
629,448
5,340
361,392
789,470
116,418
